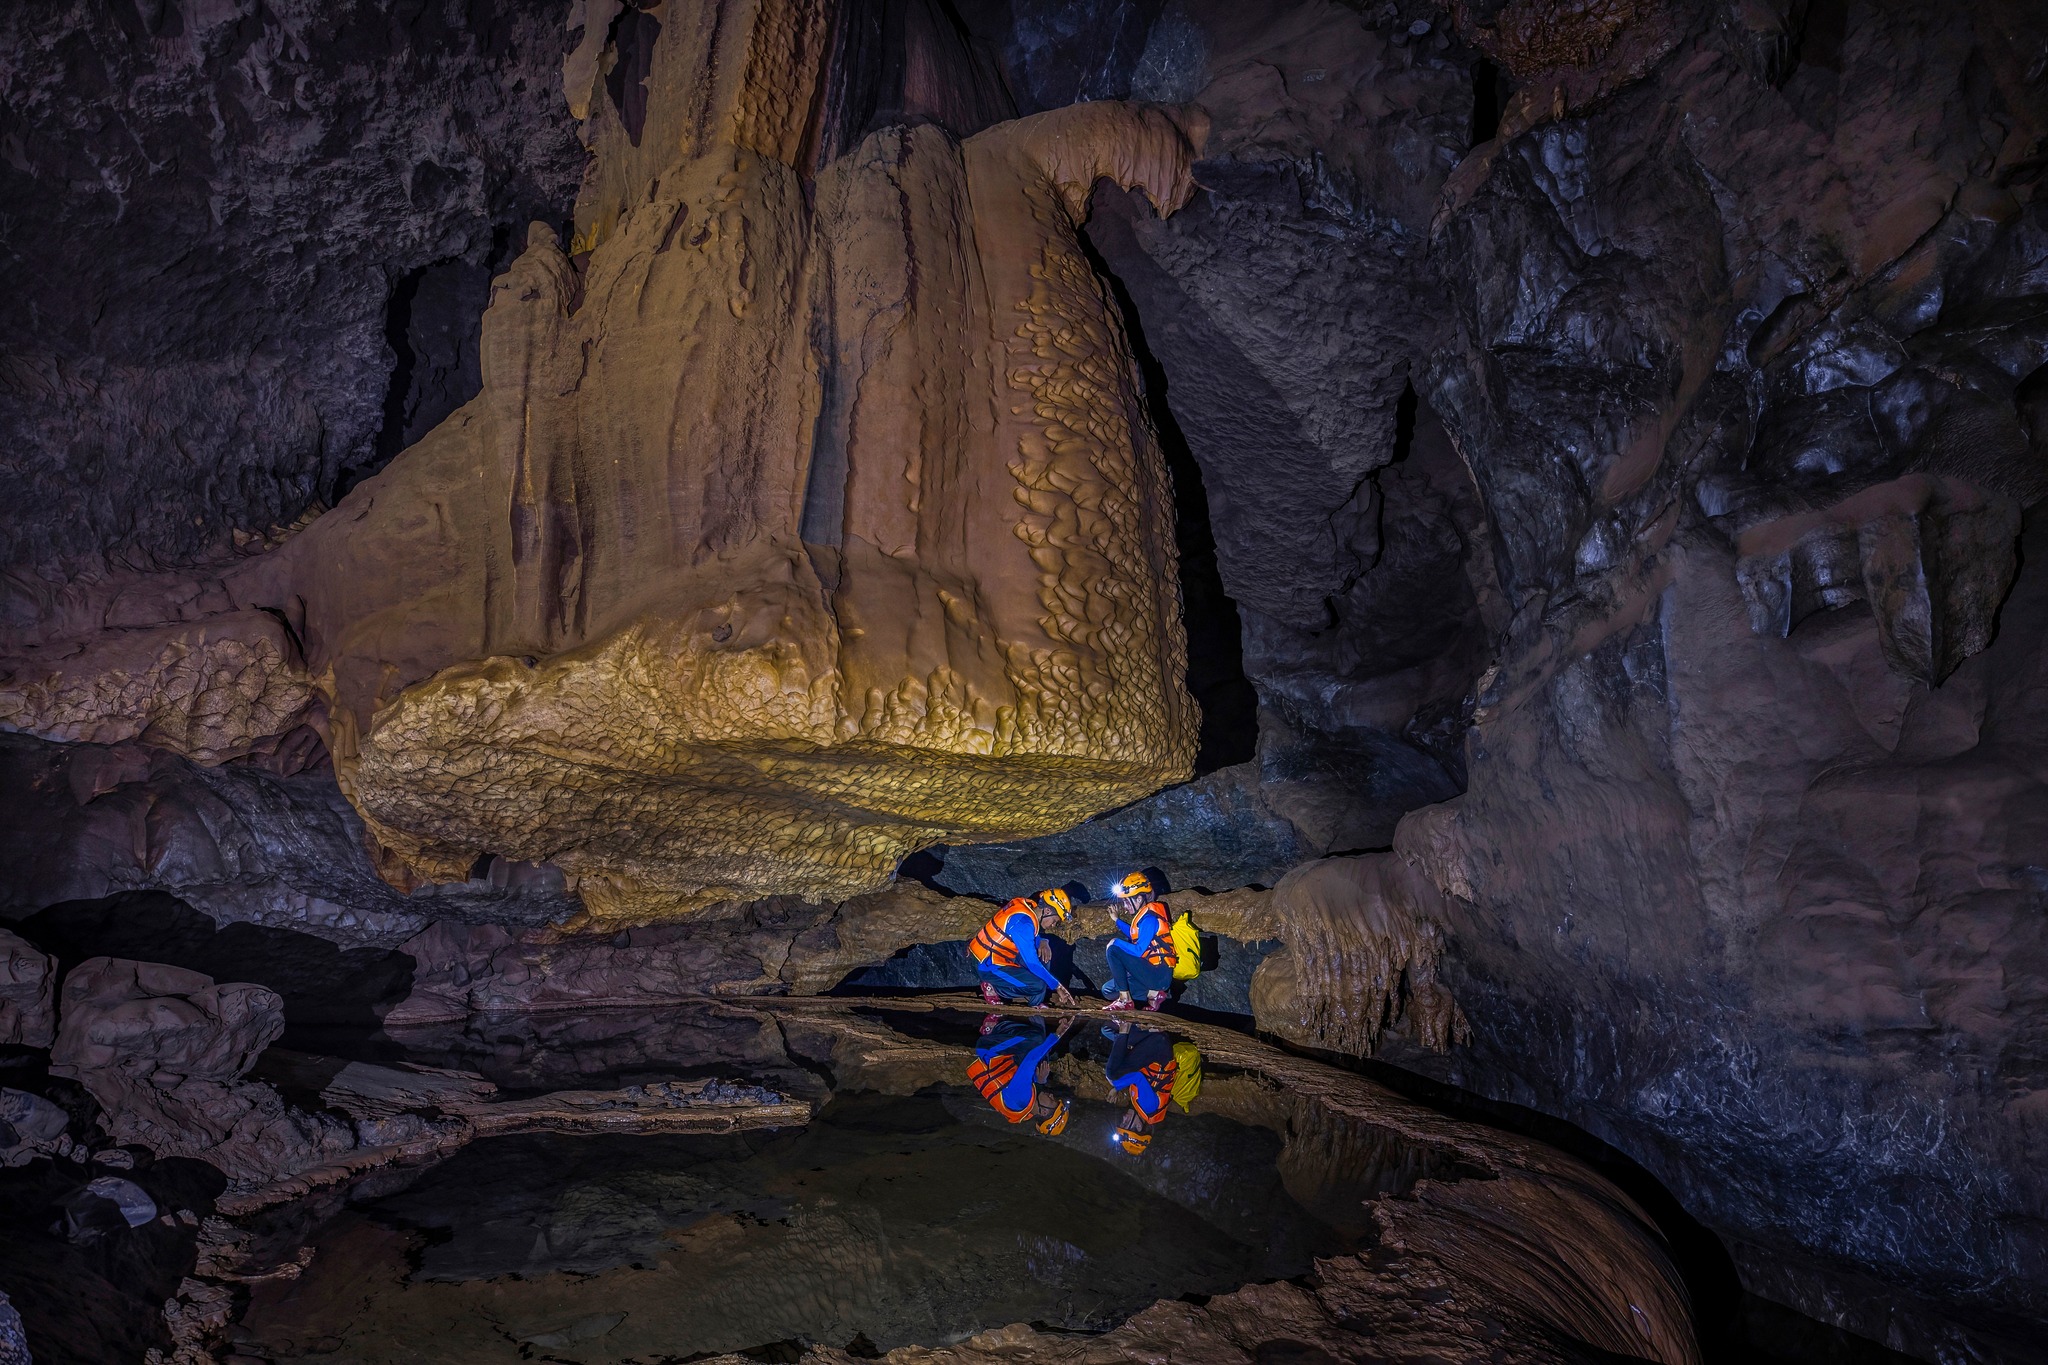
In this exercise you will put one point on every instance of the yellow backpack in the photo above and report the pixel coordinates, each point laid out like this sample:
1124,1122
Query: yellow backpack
1187,1073
1187,949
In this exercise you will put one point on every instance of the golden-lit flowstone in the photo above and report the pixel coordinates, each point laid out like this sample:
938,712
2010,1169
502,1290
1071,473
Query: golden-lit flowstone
796,525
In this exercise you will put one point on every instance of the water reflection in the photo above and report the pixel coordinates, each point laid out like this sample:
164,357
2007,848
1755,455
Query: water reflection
1142,1065
1011,1062
959,1175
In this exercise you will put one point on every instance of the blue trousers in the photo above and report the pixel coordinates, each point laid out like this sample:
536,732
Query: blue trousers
1130,974
1013,983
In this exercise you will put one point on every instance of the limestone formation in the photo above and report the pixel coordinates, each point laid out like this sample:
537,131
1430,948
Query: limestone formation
796,526
164,1050
28,989
1617,428
1358,957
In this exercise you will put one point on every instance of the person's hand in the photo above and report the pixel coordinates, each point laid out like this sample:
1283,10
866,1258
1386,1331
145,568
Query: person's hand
1045,951
1064,997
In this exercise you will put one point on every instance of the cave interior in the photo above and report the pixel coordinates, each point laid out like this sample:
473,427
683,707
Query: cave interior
560,559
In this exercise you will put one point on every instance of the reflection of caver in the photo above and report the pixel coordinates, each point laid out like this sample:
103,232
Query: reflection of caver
1143,1063
1010,953
1141,952
1009,1062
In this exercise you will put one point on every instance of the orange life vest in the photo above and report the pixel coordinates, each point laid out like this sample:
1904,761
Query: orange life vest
993,945
990,1076
1160,951
1161,1075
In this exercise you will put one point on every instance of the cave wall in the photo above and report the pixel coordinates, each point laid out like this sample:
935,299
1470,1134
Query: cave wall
215,208
807,512
1725,333
1740,877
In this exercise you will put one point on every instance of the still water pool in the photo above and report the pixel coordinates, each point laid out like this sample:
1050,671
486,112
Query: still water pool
910,1210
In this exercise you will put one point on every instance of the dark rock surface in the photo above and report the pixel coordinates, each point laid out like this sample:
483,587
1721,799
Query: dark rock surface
217,212
1848,983
322,986
1727,359
28,993
1734,884
145,1017
97,1295
238,842
163,1051
1215,833
1283,317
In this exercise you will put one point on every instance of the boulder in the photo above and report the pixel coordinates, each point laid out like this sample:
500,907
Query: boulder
28,981
30,1126
141,1018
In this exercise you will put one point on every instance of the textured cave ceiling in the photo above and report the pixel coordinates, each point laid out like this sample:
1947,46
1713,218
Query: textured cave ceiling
1579,458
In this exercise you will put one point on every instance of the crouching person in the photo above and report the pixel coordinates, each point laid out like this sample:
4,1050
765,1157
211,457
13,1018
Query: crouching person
1141,951
1144,1064
1012,955
1010,1063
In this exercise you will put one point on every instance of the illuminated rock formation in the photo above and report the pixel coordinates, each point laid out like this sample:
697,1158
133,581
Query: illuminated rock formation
782,539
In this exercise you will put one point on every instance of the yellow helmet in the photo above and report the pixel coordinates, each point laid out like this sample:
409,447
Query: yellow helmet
1055,1123
1130,1143
1136,884
1057,901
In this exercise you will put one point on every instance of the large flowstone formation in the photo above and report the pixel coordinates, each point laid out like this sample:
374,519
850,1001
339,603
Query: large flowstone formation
808,515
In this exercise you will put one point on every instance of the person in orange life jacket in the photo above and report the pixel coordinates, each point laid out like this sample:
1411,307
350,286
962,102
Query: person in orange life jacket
1010,1062
1141,1062
1141,952
1010,953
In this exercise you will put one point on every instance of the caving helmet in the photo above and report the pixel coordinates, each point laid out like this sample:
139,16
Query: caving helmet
1055,1123
1057,901
1130,1143
1133,884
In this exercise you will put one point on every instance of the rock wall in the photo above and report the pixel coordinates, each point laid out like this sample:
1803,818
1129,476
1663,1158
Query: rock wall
1737,880
1724,331
259,841
216,206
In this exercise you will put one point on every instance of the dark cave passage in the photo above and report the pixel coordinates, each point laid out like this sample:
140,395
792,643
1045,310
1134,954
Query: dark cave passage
1491,91
1216,677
